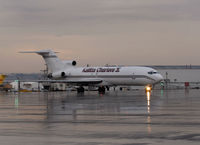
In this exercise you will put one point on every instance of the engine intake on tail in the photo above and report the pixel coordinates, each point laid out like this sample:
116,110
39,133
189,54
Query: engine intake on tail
71,62
63,74
58,75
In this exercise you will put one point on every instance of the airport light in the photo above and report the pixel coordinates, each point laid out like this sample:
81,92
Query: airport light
148,89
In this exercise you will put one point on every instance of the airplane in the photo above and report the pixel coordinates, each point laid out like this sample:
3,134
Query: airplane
2,78
63,71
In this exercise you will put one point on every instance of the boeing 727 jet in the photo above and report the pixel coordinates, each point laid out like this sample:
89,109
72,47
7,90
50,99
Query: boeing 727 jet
101,77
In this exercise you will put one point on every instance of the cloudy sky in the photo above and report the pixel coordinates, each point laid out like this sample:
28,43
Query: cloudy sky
99,32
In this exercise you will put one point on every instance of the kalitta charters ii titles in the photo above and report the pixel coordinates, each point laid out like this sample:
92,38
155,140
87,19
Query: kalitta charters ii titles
101,69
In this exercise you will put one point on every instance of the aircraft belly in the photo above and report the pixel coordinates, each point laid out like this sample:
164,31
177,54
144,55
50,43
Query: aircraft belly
113,78
128,81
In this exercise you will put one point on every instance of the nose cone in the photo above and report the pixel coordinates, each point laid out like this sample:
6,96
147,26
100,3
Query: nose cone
159,78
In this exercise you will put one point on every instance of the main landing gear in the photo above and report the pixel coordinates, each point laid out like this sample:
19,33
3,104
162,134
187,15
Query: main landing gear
102,90
80,89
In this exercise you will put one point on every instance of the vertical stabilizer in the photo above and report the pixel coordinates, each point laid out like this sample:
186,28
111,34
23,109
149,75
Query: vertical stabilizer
53,63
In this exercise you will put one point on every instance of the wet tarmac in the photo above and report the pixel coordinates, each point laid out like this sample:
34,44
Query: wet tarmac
115,118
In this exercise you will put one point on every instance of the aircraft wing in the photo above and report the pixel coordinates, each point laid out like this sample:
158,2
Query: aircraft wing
75,81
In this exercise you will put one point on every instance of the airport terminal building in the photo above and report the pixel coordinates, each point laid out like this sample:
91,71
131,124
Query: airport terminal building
187,76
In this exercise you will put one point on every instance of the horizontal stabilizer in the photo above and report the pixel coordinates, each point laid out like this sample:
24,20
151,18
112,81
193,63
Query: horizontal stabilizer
48,51
53,63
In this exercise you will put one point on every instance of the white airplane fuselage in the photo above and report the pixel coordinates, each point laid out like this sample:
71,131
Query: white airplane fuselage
68,72
112,76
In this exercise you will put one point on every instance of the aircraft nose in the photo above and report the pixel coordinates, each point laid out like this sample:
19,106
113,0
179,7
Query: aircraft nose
159,78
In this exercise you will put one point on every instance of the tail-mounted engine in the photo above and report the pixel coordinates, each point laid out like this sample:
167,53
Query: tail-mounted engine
70,63
62,74
57,75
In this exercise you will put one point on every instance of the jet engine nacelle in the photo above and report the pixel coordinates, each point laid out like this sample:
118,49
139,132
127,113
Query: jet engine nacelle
70,62
58,75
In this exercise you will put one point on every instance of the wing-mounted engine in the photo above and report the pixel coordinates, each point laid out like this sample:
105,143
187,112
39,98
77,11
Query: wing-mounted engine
69,63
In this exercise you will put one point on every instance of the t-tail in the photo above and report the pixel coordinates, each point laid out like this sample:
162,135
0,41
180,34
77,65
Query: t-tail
53,63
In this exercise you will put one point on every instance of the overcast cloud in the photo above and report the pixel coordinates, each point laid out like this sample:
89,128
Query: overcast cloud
129,32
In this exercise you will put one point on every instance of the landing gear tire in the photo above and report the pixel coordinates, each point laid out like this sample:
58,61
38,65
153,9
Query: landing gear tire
107,88
80,90
102,90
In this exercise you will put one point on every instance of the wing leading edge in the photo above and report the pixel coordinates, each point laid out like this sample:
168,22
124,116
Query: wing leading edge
75,82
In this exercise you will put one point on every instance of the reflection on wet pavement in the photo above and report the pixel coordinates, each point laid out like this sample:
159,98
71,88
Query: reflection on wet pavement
115,118
148,110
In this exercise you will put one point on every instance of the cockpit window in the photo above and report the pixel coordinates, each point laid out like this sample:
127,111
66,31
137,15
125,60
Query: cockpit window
152,72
